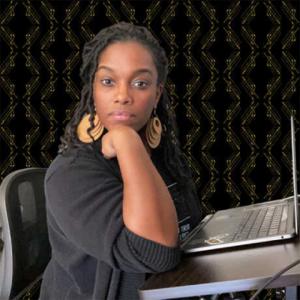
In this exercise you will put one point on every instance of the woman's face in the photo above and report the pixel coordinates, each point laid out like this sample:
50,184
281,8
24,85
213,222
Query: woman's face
125,89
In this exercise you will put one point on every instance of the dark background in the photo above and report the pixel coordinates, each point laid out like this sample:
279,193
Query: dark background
234,82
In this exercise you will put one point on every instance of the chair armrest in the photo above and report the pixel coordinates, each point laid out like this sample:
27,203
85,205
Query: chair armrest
1,241
31,291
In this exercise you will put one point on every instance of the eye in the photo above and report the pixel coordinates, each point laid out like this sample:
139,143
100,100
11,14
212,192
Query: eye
107,82
141,84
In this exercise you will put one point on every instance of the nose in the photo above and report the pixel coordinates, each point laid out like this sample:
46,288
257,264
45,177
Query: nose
123,96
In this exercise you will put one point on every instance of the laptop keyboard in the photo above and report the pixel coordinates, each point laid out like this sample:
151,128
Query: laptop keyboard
261,223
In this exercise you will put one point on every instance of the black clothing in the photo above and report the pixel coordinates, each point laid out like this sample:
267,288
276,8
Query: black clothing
94,256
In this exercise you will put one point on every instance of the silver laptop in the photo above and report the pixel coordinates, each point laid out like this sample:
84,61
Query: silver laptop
258,223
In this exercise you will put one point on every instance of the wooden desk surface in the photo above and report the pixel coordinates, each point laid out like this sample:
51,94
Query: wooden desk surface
239,269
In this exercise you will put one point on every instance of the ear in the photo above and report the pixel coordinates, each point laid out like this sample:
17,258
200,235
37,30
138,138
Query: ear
159,90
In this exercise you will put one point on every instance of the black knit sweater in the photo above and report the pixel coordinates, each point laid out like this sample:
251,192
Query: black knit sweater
94,256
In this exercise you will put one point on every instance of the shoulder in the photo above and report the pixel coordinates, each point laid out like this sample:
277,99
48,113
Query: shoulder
85,158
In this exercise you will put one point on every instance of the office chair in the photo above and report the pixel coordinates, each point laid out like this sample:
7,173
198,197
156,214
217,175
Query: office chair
26,249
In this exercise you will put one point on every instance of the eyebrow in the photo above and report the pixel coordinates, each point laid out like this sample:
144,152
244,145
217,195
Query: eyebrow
136,72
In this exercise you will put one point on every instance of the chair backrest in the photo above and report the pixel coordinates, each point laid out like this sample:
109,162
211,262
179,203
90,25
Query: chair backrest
26,249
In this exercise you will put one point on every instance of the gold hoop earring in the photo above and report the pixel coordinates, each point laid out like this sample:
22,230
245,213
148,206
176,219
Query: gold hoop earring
84,125
153,131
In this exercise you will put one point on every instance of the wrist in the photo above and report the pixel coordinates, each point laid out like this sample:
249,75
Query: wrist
124,136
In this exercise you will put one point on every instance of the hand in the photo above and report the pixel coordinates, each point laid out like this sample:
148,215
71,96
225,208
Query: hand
115,138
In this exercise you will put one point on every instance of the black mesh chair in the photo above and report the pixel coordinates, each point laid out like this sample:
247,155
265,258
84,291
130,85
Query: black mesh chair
25,246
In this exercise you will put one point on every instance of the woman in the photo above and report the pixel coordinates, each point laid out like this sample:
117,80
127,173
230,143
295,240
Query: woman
115,192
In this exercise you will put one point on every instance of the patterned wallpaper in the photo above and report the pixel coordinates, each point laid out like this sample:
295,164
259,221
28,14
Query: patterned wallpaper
234,82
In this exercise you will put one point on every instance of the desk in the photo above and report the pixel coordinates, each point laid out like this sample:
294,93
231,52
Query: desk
239,269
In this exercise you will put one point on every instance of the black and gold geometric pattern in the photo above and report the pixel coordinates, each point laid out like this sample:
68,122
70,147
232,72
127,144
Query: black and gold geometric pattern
234,82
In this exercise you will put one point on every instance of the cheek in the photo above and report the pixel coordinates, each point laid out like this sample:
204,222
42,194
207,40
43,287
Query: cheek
149,109
98,99
100,108
146,110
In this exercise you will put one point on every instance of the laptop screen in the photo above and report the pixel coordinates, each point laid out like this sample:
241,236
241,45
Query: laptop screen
294,164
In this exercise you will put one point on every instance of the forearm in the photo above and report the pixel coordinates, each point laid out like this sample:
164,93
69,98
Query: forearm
148,209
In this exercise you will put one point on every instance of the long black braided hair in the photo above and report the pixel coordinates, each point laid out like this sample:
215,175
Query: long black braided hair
173,157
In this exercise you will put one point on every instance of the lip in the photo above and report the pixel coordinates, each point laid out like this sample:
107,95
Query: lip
121,115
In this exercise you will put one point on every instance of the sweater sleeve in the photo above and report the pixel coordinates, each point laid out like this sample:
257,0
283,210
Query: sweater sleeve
84,197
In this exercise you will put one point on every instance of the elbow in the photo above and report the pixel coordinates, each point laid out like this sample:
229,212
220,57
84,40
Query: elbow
168,239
